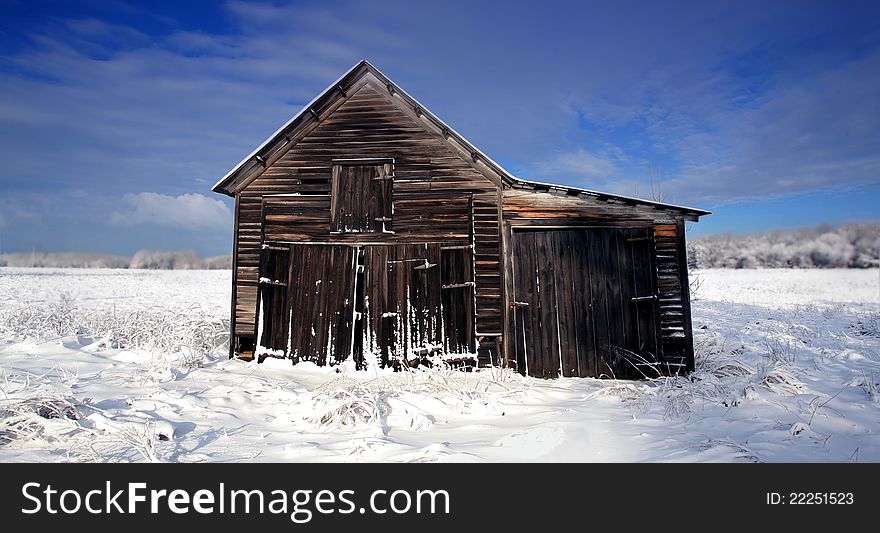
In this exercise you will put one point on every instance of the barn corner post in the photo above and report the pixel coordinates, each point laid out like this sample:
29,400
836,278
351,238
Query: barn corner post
233,338
681,244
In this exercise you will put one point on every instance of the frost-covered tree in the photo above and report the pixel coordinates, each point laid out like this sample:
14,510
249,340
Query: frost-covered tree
63,260
148,259
826,246
165,260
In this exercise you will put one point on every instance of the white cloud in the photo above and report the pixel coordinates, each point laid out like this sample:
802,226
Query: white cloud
581,164
187,211
94,28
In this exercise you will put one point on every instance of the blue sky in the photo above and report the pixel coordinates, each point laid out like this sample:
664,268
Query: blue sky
117,117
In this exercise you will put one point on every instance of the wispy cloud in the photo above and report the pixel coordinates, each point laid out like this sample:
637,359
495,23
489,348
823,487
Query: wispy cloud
187,211
580,164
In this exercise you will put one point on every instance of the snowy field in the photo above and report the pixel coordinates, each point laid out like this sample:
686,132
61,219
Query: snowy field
115,365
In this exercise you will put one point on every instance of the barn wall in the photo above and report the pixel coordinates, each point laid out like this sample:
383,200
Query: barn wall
370,122
531,209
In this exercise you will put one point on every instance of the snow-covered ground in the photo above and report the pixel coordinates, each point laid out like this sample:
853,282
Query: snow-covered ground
103,365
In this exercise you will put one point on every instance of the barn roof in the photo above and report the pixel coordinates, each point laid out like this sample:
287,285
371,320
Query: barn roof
278,142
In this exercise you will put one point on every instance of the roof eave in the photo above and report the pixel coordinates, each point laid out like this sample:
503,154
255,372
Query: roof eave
691,213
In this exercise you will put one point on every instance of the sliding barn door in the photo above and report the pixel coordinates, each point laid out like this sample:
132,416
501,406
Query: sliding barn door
584,303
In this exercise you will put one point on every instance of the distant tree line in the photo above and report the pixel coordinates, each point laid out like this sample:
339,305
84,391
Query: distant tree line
825,246
148,259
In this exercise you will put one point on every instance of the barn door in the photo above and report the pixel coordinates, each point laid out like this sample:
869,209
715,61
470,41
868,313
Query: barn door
325,302
457,291
322,299
584,303
402,301
307,301
273,309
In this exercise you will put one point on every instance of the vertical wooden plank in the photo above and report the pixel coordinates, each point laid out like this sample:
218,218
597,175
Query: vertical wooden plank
548,261
258,308
359,314
518,327
335,198
566,302
617,315
367,198
402,341
308,257
588,354
599,250
414,283
352,192
526,294
339,275
314,287
333,277
628,352
338,272
304,317
571,297
293,289
447,303
370,323
324,276
423,284
351,200
385,197
381,289
346,303
434,295
385,322
283,299
544,298
535,362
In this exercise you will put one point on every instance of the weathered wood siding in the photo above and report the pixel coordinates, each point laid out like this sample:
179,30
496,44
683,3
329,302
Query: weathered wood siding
529,209
370,122
430,216
673,292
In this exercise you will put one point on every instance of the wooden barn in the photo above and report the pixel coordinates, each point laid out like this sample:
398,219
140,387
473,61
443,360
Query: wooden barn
367,228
